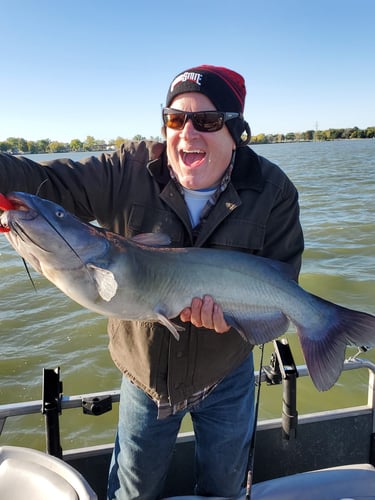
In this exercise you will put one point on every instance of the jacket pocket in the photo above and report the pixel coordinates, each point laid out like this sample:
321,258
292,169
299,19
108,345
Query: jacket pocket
238,234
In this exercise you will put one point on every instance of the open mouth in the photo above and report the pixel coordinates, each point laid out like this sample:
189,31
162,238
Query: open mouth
7,204
193,158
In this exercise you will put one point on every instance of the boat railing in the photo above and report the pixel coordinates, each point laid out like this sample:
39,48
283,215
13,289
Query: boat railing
97,402
290,444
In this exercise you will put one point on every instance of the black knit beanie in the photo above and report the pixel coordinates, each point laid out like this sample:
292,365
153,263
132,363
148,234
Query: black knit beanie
225,89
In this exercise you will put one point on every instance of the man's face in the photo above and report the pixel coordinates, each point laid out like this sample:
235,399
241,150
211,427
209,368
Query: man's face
198,159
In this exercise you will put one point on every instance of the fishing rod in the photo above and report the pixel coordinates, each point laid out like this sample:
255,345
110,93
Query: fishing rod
250,464
283,370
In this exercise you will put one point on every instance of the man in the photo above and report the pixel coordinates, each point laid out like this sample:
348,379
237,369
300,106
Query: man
205,188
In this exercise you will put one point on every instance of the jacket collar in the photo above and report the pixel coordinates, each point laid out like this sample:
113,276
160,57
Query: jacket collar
246,174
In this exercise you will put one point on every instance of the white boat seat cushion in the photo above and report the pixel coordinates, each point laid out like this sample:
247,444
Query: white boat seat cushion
349,482
346,482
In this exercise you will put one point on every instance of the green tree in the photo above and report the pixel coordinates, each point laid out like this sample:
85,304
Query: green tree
89,143
320,135
118,141
355,133
22,145
309,135
13,144
139,137
259,139
4,146
32,147
56,147
156,138
76,145
290,136
42,145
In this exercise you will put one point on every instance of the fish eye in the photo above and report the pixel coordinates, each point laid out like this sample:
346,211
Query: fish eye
60,214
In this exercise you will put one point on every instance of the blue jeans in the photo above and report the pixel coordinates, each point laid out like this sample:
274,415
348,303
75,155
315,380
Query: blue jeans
223,424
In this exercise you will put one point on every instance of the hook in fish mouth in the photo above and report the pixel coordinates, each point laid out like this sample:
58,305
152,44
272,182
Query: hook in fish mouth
7,204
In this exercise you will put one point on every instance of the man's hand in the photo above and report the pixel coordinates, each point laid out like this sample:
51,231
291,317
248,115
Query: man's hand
204,312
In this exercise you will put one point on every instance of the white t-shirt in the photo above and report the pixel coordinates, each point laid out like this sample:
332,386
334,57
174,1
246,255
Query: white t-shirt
196,201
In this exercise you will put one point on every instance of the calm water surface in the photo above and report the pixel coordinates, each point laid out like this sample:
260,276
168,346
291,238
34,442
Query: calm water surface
336,181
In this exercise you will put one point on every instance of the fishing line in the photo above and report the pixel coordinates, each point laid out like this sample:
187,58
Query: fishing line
40,187
250,463
28,274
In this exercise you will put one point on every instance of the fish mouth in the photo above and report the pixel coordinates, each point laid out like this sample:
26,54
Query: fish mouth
18,212
14,207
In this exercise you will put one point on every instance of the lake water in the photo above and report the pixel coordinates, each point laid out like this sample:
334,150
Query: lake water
336,181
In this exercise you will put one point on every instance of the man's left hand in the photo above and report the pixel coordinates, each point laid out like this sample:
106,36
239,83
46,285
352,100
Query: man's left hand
205,313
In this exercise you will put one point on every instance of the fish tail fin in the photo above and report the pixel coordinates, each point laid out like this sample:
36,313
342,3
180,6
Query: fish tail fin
325,353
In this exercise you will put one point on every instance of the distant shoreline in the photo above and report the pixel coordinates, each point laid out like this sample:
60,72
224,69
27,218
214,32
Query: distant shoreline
20,146
135,142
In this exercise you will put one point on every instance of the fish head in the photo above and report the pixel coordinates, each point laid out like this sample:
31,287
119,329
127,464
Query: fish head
39,227
53,241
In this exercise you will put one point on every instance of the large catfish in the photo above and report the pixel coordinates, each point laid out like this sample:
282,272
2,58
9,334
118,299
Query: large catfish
138,280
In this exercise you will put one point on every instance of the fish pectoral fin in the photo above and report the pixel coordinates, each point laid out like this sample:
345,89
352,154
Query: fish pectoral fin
259,328
105,281
172,327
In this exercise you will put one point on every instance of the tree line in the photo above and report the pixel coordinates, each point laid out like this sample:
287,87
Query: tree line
316,135
18,145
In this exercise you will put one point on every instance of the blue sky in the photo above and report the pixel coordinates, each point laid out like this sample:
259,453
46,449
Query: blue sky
87,67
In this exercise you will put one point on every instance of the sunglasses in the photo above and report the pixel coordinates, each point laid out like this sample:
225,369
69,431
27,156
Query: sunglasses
203,121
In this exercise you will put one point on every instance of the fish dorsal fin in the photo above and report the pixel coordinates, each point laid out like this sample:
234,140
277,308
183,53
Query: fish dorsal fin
152,239
105,281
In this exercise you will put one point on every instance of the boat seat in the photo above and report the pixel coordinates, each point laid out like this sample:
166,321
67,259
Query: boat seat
349,482
33,475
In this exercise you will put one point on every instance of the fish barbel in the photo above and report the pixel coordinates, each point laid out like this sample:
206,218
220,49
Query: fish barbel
141,280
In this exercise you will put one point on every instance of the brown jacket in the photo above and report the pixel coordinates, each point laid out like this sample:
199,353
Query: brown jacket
128,194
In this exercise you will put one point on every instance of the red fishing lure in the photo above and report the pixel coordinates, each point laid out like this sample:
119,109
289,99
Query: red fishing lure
5,204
